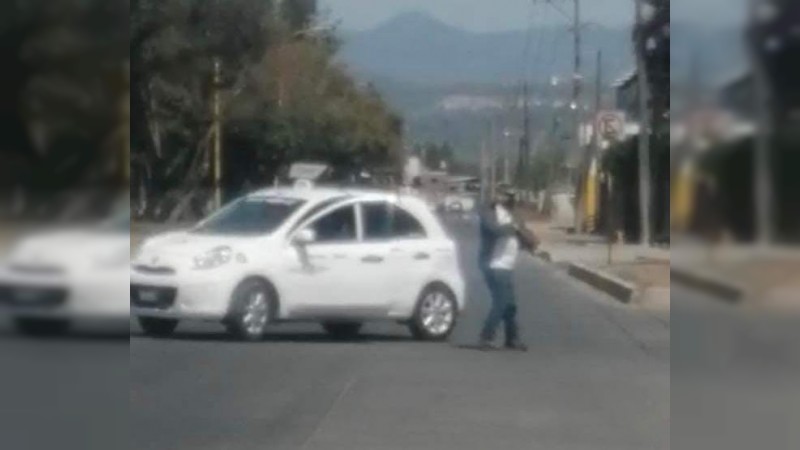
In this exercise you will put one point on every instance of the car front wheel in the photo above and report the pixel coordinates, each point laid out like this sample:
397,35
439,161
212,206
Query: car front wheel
252,310
435,316
155,327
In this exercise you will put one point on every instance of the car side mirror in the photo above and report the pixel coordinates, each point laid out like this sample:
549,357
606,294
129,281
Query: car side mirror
304,237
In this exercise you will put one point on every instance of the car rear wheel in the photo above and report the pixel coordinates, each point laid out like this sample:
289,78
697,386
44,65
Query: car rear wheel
435,316
41,327
253,308
155,327
342,330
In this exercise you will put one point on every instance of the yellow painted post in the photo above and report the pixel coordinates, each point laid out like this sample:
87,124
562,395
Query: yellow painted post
591,198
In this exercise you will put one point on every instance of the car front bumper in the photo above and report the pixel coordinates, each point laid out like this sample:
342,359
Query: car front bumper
72,296
203,295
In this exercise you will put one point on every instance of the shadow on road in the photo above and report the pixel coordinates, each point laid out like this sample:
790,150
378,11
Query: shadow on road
300,338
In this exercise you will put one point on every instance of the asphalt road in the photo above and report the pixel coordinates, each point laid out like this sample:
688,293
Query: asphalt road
597,376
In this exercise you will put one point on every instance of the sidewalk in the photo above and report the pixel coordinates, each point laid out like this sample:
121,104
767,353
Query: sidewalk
757,277
629,273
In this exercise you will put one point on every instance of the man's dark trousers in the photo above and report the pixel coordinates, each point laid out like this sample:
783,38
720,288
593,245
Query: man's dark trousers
504,305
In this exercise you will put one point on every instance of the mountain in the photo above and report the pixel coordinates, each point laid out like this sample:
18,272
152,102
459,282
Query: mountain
720,53
415,47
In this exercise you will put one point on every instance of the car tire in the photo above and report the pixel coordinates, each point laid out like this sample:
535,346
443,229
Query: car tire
342,330
156,327
41,327
252,310
435,315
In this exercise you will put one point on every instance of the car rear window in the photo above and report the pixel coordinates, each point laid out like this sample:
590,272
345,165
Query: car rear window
386,221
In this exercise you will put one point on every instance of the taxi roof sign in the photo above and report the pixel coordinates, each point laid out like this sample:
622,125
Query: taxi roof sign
307,171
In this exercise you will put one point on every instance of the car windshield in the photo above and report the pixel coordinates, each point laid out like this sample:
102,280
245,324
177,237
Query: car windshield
250,216
119,223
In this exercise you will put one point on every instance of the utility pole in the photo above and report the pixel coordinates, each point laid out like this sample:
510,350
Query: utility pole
644,126
763,162
506,149
594,165
484,170
598,88
525,140
577,88
492,160
216,129
576,82
124,124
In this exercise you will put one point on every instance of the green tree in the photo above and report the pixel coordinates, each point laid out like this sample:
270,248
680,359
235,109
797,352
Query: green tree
283,96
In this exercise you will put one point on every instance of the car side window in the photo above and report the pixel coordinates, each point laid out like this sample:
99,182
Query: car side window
405,225
385,221
317,209
336,226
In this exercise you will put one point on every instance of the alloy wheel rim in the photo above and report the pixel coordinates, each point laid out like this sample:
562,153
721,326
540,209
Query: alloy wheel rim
437,314
256,313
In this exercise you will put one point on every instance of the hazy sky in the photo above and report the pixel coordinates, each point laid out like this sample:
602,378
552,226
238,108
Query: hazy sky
477,15
493,15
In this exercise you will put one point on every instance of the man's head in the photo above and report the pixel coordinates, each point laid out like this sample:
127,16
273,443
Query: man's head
507,198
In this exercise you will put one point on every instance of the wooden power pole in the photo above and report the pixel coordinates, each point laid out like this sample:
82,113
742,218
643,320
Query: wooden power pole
762,167
216,131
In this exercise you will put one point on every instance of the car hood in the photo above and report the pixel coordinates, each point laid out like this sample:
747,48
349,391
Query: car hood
69,249
178,248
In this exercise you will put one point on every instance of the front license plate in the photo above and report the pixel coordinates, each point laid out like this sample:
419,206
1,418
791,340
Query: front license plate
148,295
25,295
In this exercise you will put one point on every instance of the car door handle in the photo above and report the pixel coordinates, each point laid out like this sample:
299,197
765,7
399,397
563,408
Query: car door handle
421,256
372,259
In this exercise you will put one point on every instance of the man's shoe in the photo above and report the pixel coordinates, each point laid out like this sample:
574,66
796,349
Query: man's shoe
516,346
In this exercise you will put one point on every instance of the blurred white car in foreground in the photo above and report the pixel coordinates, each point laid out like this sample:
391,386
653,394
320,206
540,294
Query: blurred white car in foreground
51,279
337,257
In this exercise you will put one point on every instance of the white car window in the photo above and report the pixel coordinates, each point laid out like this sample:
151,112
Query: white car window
316,209
336,226
385,221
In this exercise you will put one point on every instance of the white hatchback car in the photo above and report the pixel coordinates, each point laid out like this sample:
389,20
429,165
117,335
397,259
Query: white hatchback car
51,279
337,257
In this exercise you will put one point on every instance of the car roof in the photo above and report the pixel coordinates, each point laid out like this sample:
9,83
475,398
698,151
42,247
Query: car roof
318,194
315,195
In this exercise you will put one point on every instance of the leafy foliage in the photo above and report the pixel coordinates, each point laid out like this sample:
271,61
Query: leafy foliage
63,100
282,96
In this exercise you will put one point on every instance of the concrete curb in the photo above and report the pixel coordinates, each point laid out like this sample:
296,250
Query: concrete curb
708,283
603,281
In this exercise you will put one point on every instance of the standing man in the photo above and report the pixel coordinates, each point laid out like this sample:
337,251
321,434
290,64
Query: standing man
498,256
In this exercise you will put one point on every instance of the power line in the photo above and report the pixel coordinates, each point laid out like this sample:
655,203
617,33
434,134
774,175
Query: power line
559,10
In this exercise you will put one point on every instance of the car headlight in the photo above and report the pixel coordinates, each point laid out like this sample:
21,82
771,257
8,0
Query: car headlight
213,258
